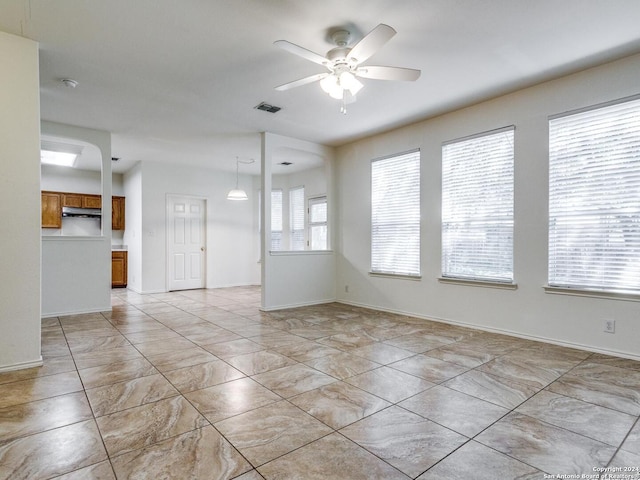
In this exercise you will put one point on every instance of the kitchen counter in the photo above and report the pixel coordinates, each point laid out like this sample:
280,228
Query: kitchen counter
118,248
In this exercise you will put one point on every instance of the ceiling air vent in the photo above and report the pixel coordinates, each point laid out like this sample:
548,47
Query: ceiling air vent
267,108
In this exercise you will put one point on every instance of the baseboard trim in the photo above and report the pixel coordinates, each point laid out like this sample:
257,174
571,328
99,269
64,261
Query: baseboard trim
75,312
297,305
578,346
21,366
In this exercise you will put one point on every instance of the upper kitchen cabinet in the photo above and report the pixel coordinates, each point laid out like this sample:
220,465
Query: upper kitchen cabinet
51,210
117,213
81,200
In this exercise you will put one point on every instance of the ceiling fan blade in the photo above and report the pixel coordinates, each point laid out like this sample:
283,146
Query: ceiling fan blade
302,81
301,52
372,42
388,73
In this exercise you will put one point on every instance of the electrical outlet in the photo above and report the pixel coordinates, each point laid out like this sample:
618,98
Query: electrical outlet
610,326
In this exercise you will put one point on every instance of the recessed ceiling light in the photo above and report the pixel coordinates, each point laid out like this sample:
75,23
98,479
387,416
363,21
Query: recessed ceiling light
62,159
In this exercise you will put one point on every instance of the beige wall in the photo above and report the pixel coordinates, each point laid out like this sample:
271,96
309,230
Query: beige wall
527,311
19,186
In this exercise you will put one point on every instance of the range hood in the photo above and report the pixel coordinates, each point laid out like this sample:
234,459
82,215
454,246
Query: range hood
81,212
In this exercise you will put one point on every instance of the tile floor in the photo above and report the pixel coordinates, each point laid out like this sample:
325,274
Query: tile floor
202,385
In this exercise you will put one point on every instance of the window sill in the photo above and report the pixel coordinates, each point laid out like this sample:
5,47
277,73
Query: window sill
396,275
478,283
283,253
578,292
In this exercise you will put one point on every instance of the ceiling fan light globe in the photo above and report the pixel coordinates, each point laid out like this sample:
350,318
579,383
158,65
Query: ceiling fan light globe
329,83
337,92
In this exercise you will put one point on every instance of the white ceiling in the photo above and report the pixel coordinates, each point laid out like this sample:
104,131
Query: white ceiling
177,81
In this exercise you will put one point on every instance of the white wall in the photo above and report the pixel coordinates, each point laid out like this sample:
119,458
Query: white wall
19,185
76,270
132,186
527,311
302,278
231,258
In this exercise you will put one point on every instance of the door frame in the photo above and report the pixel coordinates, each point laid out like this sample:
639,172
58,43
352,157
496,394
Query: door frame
169,233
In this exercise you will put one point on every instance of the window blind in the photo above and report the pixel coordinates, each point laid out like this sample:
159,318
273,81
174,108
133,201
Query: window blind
477,207
318,223
594,199
296,218
395,215
276,220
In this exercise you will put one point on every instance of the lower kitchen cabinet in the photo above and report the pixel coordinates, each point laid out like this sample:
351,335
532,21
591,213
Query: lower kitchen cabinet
118,269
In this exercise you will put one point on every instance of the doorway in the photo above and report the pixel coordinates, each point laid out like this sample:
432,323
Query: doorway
186,242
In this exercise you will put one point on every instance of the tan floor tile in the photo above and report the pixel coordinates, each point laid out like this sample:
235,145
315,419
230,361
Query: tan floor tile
163,346
145,425
342,365
99,471
417,343
477,462
260,362
116,372
346,341
339,404
50,366
331,457
51,453
131,393
431,369
491,388
548,448
104,357
271,431
632,442
233,348
382,353
405,440
165,362
151,335
604,385
600,423
303,351
24,391
231,398
290,381
95,344
390,384
203,375
41,415
535,371
200,454
469,356
457,411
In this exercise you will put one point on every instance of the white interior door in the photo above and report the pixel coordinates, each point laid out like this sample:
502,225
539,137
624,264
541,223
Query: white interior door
186,227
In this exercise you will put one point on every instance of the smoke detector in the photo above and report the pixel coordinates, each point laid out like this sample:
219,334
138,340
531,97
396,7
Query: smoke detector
68,82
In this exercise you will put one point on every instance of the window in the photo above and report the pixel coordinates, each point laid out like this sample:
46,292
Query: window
477,207
296,218
318,223
395,215
276,220
594,199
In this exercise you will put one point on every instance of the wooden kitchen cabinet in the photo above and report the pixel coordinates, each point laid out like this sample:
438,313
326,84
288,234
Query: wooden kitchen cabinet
51,210
71,200
118,269
117,213
91,201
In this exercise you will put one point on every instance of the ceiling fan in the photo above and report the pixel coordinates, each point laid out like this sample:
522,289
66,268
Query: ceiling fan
344,64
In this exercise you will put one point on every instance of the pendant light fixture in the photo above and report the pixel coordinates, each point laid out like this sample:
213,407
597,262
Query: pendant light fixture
237,193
